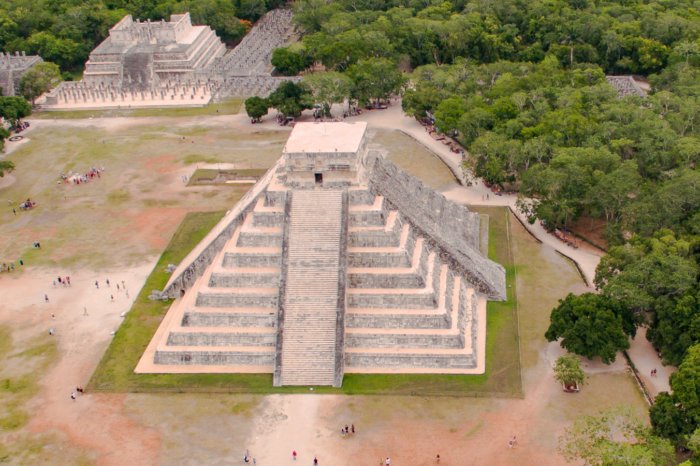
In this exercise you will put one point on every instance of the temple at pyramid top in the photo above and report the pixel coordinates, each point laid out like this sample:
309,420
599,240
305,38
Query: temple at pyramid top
335,262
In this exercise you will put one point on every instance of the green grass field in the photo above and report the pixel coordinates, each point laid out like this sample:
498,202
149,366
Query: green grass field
227,107
115,371
203,176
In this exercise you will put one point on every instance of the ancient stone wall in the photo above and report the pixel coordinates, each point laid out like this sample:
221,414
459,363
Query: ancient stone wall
452,228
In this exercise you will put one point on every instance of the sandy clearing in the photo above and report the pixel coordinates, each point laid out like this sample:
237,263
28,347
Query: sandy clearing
93,422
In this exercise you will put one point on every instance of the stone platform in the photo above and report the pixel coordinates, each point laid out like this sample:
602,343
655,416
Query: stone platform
335,262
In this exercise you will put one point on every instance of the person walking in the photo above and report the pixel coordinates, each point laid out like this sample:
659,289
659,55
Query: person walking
294,455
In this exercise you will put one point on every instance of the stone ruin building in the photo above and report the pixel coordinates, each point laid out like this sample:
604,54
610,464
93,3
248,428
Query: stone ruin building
159,63
625,85
335,262
12,68
140,54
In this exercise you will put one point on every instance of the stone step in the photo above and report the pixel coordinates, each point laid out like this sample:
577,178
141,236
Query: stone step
432,340
404,298
360,197
238,297
263,357
438,320
243,280
228,319
241,259
268,219
256,239
245,339
376,218
409,362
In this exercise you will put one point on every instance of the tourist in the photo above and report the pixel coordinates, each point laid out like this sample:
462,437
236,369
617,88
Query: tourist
46,298
73,396
347,430
352,429
437,458
51,331
388,461
21,262
294,455
107,282
14,211
315,461
111,297
97,284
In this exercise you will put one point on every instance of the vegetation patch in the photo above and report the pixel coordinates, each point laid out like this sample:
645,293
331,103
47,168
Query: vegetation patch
115,373
227,107
19,375
204,176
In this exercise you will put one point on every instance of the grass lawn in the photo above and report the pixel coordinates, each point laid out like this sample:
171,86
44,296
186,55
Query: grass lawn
227,107
115,371
208,175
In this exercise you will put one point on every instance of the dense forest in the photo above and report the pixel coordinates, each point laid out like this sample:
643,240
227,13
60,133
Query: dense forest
64,32
521,85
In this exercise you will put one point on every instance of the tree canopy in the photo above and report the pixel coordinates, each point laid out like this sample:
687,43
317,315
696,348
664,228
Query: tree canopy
591,325
40,78
256,107
677,415
567,370
615,437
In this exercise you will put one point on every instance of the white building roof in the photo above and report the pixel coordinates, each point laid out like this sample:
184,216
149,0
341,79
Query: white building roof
326,137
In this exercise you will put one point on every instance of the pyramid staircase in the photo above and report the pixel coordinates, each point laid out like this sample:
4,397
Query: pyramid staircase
312,309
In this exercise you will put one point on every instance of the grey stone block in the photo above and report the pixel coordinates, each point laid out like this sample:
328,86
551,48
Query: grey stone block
228,319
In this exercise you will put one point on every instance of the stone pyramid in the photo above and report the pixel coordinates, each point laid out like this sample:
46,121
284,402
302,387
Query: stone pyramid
335,262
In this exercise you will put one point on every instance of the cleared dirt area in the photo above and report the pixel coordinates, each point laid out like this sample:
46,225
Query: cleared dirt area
115,227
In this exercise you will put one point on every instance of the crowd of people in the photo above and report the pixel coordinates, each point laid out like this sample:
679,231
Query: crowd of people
77,178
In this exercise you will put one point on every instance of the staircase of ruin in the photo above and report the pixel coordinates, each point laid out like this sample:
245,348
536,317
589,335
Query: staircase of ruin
314,277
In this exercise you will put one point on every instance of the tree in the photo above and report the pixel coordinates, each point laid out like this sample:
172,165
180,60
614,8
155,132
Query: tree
677,415
41,78
567,370
615,437
375,78
329,88
289,61
256,107
5,165
291,99
591,325
448,114
14,108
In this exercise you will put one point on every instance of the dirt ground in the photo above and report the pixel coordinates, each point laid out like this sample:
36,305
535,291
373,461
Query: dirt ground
115,227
